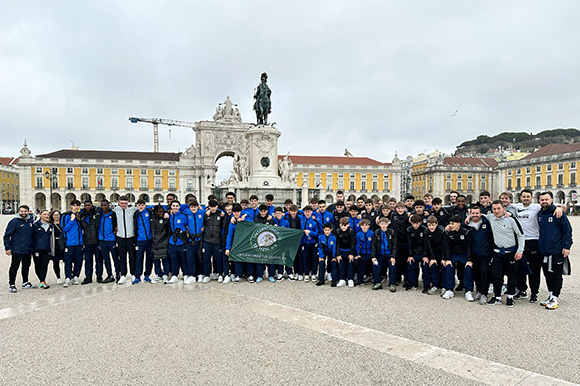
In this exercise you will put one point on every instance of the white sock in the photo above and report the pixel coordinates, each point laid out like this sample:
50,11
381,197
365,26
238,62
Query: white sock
555,298
510,296
550,294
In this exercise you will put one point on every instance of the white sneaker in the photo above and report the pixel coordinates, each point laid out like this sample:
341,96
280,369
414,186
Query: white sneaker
232,277
165,279
469,296
313,278
220,279
122,280
189,280
341,283
329,276
226,280
185,279
59,281
279,277
133,278
206,279
448,294
75,280
237,279
433,290
158,280
306,277
351,283
300,277
173,279
67,282
250,279
199,278
214,276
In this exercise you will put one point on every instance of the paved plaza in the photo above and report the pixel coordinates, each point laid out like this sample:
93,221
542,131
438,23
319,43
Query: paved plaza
281,333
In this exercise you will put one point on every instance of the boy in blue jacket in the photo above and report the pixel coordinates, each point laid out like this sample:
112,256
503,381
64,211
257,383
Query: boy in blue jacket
177,241
144,243
280,221
107,244
364,240
238,265
73,251
312,229
18,244
327,252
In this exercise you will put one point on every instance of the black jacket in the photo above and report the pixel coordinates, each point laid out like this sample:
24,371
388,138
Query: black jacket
90,224
263,220
213,226
160,232
378,240
435,243
400,223
372,217
442,215
346,241
459,243
416,240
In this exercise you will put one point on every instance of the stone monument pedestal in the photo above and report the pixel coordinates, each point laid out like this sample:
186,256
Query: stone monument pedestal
263,156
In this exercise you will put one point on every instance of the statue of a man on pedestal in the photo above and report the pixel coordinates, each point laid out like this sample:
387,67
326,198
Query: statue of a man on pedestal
262,105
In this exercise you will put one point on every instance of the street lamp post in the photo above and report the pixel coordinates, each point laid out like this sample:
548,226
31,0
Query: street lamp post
48,175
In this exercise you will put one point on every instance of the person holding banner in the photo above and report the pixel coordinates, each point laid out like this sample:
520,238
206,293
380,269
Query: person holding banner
238,265
263,217
312,229
280,221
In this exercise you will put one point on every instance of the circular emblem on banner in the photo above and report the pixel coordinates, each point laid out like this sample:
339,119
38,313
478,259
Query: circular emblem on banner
265,239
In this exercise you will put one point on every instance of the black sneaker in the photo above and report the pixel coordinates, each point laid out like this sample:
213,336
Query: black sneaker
493,301
425,291
393,288
521,295
334,283
533,298
319,283
109,279
509,302
410,288
377,286
87,280
99,279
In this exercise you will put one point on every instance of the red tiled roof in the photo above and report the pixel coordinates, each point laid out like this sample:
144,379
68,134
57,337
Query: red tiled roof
104,154
324,160
8,161
554,148
470,161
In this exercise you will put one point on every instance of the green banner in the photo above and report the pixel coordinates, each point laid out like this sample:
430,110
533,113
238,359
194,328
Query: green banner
265,244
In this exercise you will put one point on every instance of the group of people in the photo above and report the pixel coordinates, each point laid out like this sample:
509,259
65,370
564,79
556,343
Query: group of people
346,244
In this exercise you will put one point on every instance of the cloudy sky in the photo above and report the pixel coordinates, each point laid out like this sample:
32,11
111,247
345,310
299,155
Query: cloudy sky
372,76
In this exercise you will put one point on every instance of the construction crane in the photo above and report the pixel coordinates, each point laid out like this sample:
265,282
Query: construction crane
160,121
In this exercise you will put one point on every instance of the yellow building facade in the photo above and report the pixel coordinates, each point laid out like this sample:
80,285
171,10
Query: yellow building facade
9,185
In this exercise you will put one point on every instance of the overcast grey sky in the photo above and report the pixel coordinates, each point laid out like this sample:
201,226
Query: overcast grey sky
370,76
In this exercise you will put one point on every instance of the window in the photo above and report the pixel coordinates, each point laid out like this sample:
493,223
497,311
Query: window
100,183
172,184
549,168
189,184
363,185
129,183
469,176
39,170
375,185
528,170
157,172
538,181
518,171
39,182
352,185
114,182
143,171
172,172
448,176
573,165
528,181
316,176
143,183
573,178
509,172
560,166
482,185
560,179
99,170
340,175
85,182
70,183
509,184
85,171
128,171
54,170
538,169
69,170
340,185
114,171
549,180
482,177
448,185
352,176
469,185
158,183
518,183
459,185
